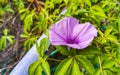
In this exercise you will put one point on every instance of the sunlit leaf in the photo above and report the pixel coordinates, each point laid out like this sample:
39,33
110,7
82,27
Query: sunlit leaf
38,70
76,69
5,32
108,63
43,46
33,67
98,11
63,66
46,68
86,64
88,2
108,31
10,39
97,72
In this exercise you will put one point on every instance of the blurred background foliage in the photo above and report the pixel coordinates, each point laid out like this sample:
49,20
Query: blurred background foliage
23,21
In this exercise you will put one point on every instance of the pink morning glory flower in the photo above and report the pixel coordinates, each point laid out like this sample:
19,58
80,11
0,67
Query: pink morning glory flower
69,32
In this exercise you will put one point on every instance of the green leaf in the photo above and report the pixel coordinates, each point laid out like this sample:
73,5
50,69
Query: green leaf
57,1
32,68
115,69
38,70
28,21
22,10
66,1
119,26
91,50
69,70
108,63
63,50
118,55
97,72
97,11
8,8
63,66
10,40
88,2
86,64
113,39
0,44
100,32
23,15
108,31
46,68
26,44
43,46
10,36
4,43
76,69
24,36
109,72
81,11
5,32
104,72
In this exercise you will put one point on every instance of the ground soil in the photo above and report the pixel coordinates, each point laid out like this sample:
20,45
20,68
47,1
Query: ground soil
11,55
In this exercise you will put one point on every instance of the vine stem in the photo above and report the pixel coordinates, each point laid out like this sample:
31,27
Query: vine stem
100,65
54,59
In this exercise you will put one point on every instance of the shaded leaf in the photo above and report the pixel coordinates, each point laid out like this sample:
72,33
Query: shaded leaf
91,50
63,50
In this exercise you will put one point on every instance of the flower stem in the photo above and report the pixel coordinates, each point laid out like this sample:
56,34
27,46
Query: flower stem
100,65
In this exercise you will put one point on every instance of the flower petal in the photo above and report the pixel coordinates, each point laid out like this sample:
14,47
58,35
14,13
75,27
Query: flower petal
81,45
60,32
56,39
83,34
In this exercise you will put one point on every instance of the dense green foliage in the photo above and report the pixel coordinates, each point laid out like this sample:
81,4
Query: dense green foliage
102,57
